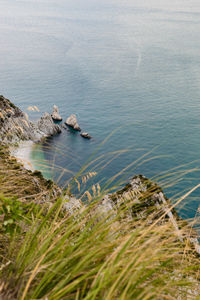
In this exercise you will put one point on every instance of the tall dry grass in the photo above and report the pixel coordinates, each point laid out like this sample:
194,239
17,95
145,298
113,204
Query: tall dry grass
91,255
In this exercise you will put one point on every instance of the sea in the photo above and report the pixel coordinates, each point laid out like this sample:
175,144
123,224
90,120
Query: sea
128,69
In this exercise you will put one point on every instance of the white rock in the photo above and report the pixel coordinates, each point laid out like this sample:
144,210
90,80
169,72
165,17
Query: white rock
55,114
16,127
47,126
72,205
72,122
85,135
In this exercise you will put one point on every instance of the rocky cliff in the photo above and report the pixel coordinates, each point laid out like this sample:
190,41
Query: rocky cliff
15,125
143,202
15,180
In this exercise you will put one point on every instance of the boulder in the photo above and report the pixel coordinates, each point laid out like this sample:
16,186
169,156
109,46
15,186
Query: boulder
55,114
72,122
85,135
47,126
72,204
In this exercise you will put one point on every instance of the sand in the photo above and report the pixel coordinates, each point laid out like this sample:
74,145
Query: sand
23,154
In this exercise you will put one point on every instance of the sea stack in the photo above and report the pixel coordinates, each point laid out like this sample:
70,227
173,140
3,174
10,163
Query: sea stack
85,135
72,122
55,114
47,126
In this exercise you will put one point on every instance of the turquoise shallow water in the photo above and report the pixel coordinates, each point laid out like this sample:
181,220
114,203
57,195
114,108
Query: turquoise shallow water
128,65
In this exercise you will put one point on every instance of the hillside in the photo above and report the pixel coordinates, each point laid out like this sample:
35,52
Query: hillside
130,244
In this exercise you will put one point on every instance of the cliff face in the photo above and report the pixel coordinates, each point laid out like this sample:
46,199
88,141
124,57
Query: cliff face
15,180
15,125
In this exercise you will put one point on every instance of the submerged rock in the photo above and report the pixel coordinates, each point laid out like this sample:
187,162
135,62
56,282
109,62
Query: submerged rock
55,114
64,126
85,135
72,122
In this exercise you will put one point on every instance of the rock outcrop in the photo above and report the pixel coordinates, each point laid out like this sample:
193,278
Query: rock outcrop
72,204
72,122
47,126
55,114
15,125
140,198
144,202
85,135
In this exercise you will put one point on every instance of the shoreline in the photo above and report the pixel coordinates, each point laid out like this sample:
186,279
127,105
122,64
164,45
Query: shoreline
29,154
22,153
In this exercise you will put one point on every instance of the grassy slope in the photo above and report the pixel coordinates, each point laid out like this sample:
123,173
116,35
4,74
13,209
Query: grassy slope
15,181
89,255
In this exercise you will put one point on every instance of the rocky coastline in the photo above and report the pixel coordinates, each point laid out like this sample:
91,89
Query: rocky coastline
141,198
16,127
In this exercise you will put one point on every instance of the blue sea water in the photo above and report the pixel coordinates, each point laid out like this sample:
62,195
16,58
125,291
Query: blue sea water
129,69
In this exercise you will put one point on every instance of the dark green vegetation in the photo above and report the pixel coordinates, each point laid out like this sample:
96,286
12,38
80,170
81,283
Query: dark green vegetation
47,253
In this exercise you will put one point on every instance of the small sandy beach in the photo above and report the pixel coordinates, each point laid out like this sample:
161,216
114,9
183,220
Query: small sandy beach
23,154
